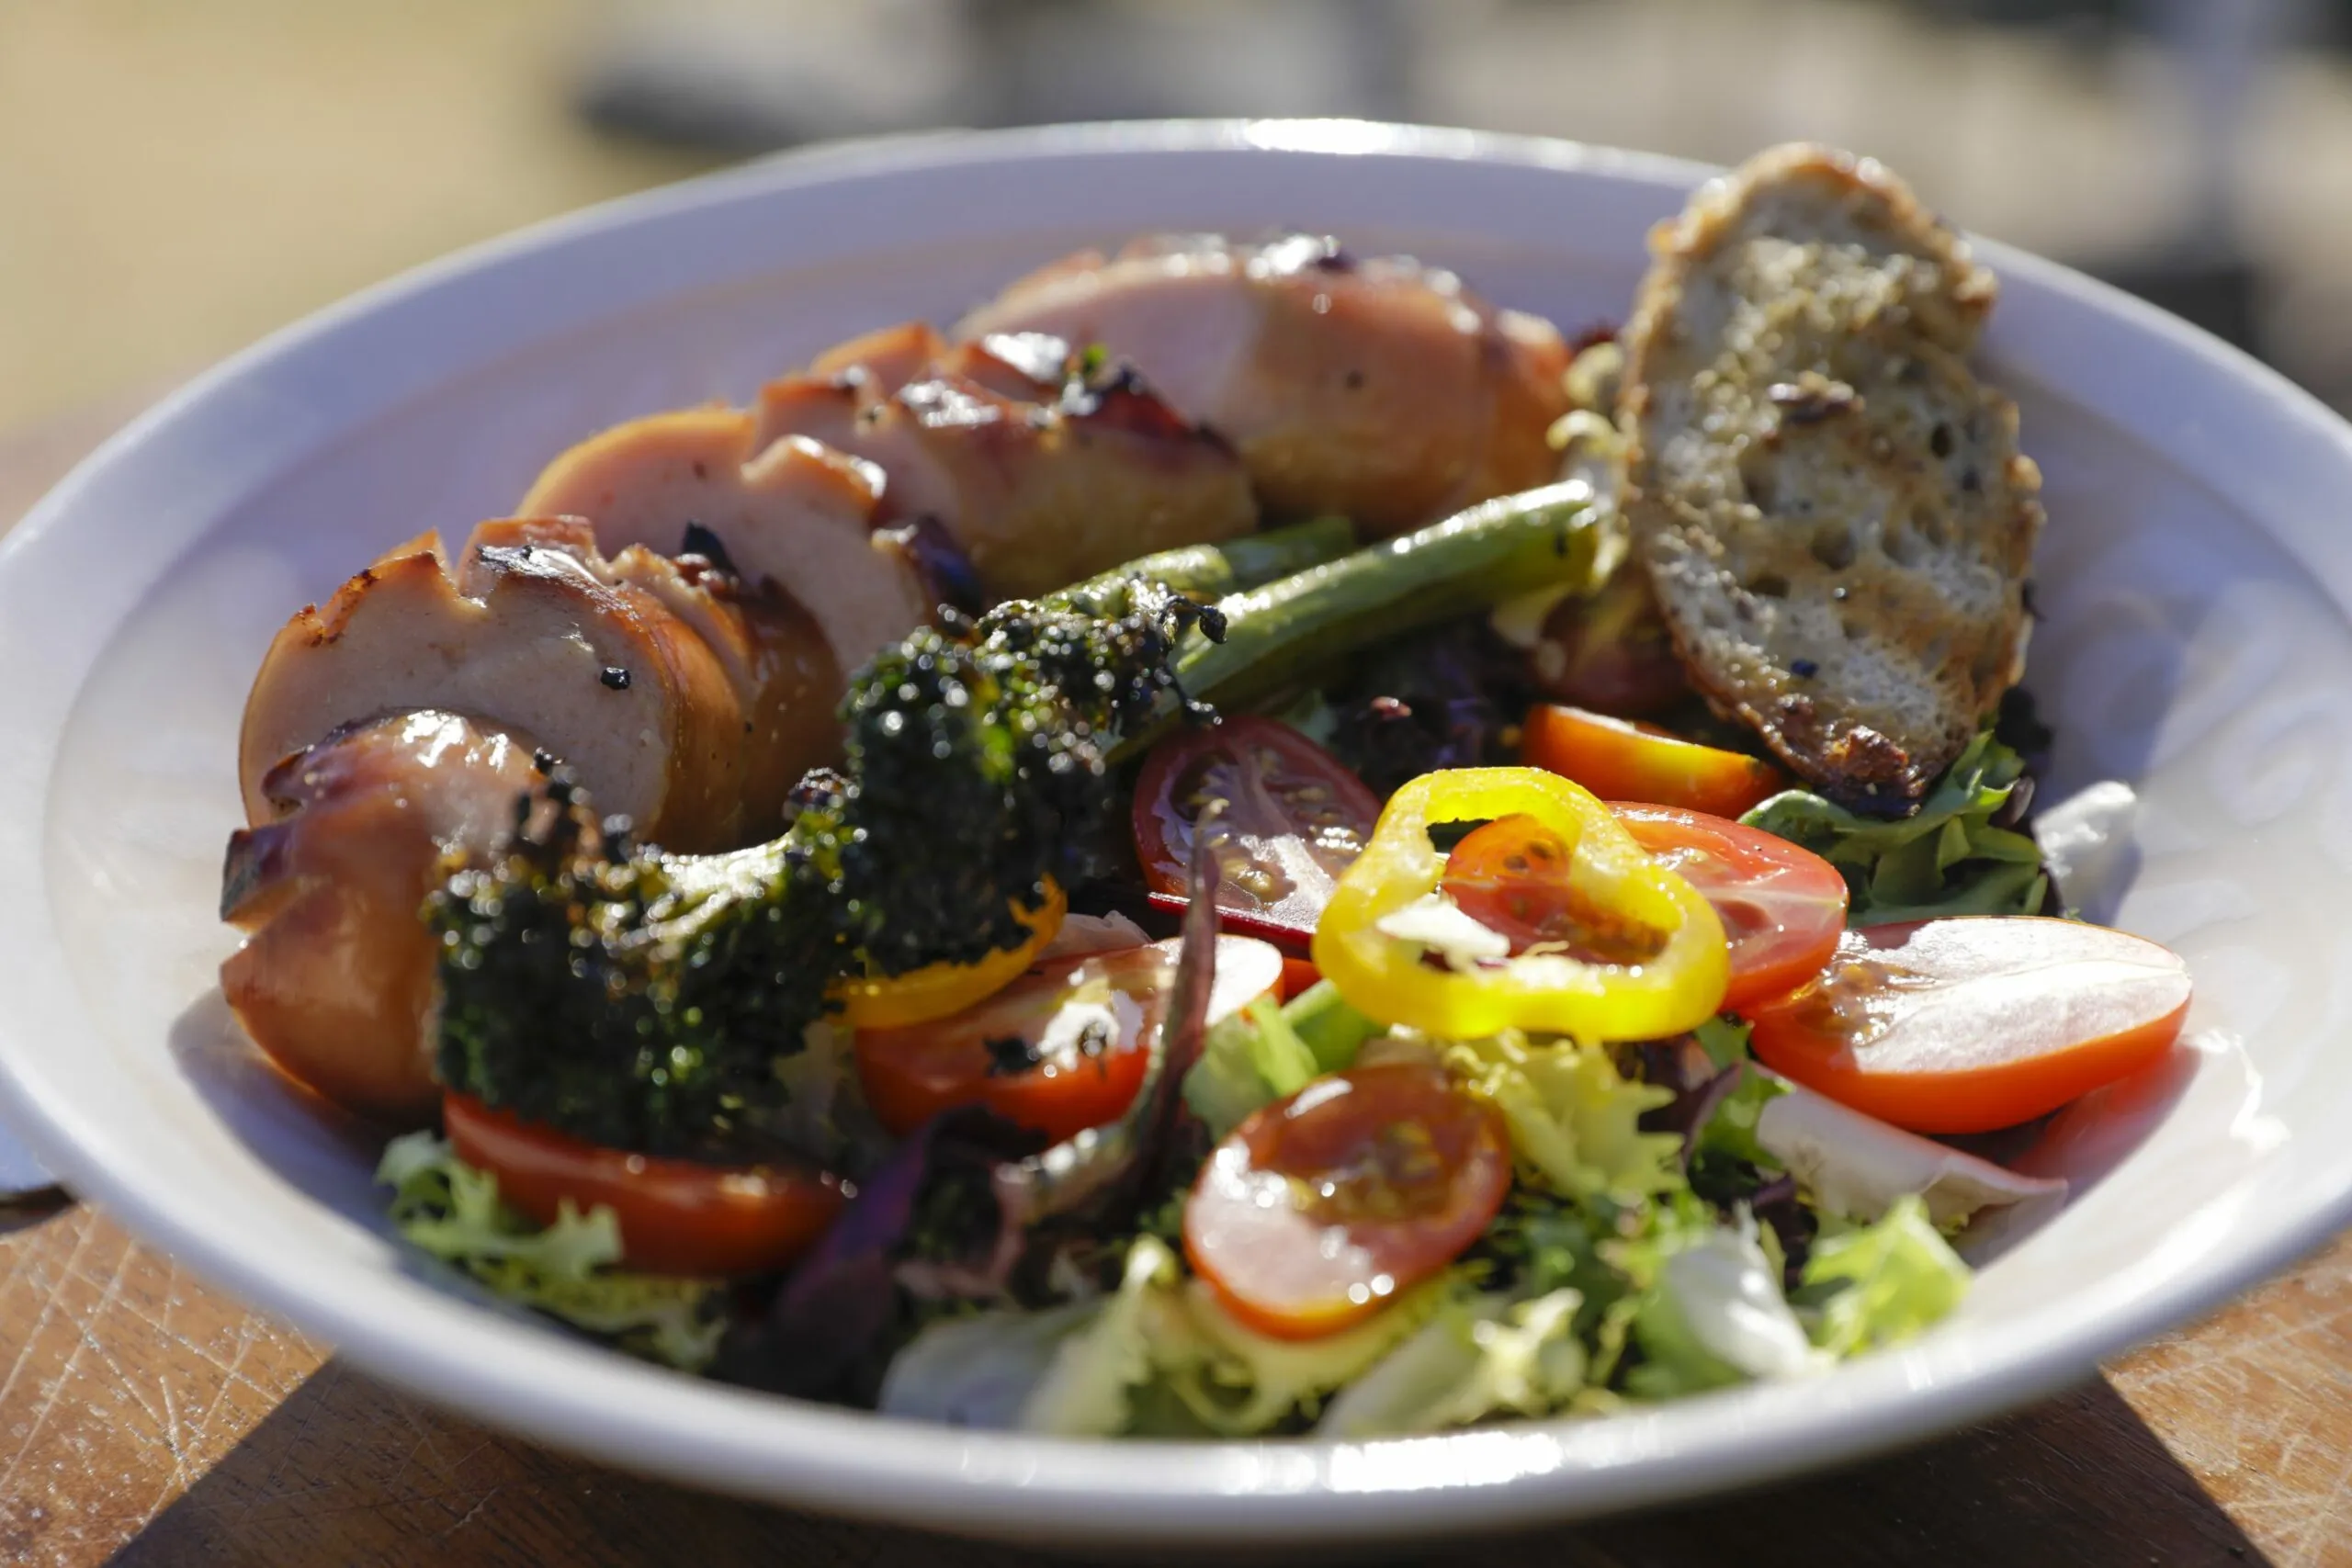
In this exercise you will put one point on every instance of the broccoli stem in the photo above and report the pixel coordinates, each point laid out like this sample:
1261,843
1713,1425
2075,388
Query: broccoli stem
1287,628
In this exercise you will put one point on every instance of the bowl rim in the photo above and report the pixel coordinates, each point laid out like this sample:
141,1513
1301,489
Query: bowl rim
553,1389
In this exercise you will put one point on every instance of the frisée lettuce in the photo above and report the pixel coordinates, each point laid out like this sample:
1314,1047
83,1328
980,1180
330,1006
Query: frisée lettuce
1881,1283
443,1206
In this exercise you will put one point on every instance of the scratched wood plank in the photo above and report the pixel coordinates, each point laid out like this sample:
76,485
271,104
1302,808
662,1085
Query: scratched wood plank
2258,1404
146,1419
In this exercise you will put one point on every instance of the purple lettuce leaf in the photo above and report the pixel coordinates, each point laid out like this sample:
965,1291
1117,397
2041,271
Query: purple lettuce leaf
819,1336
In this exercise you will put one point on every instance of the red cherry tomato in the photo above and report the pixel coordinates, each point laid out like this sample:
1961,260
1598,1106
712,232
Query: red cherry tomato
1059,1049
676,1216
1784,907
1294,817
1620,759
1320,1209
1515,875
1299,974
1293,939
1967,1024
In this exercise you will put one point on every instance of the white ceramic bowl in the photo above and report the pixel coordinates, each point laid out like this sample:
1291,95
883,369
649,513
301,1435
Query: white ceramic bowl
2195,579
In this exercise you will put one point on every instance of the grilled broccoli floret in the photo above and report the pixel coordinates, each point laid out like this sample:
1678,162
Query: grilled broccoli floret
977,760
641,1000
633,999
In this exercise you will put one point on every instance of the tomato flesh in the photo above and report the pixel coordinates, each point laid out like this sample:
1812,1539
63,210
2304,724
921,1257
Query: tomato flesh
1784,907
1060,1050
1397,950
676,1216
1621,759
1514,876
1320,1209
1968,1024
1299,974
1293,818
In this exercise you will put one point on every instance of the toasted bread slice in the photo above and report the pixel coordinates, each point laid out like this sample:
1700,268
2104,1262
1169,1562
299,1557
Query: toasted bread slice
1831,507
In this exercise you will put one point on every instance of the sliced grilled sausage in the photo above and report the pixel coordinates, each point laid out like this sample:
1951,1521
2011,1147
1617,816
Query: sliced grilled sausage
774,653
791,515
335,978
1039,470
604,675
1382,389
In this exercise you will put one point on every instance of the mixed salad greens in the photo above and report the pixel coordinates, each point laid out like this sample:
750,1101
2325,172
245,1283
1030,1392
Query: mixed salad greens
1218,999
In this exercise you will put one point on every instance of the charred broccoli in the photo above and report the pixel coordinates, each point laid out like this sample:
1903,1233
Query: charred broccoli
633,999
640,1000
976,756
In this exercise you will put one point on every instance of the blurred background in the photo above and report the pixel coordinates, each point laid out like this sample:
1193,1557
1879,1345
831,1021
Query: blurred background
180,177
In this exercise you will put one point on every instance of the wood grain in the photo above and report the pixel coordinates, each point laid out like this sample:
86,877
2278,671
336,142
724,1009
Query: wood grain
146,1419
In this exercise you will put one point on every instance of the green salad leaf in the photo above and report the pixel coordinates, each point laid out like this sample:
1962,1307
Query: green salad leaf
980,1369
1250,1059
1574,1119
1714,1312
1159,1357
1539,1242
1236,1382
1085,1391
1071,1369
1723,1038
1480,1359
1332,1032
445,1207
1267,1053
1945,859
1881,1283
1731,1130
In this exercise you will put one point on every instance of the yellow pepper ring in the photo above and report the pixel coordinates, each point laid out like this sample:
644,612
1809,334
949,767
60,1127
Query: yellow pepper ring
940,991
1385,978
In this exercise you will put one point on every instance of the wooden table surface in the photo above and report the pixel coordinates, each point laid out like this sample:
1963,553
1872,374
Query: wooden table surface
146,1418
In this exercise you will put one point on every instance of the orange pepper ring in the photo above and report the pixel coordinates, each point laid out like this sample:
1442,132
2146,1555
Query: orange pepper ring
940,991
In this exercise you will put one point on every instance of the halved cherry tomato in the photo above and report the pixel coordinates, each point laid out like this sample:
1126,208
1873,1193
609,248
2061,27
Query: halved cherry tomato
1515,875
1320,1209
1294,817
1647,957
1621,759
1059,1049
676,1216
1283,932
1784,907
1966,1024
